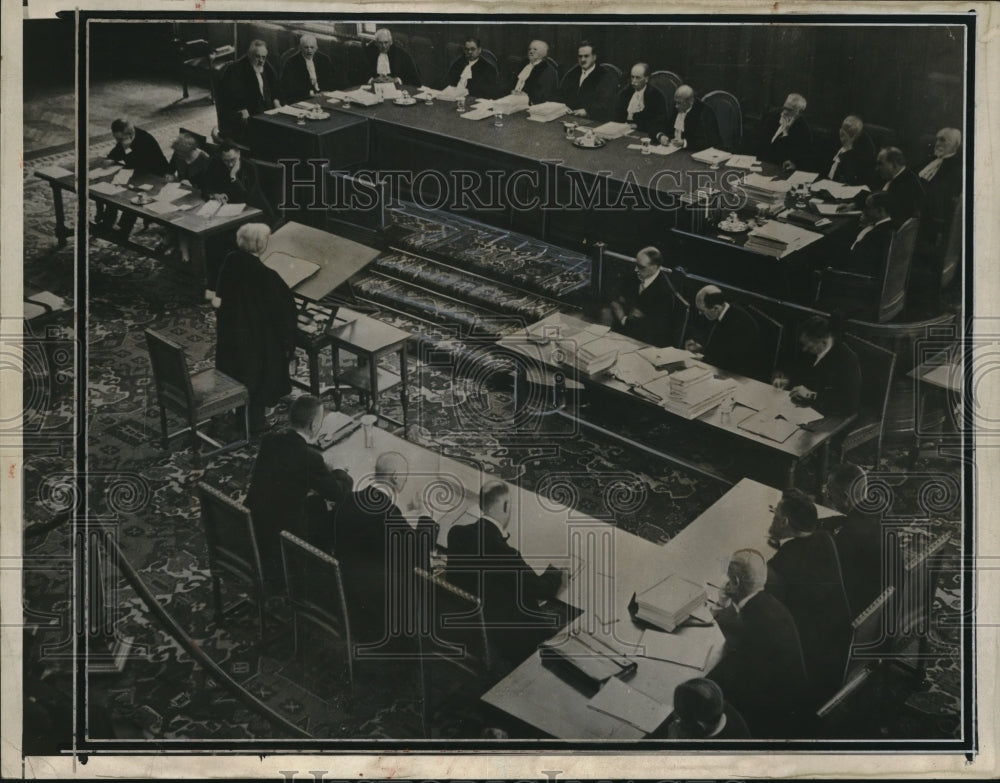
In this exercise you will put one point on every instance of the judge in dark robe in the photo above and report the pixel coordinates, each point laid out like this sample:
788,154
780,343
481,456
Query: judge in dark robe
290,486
306,73
942,181
729,339
641,105
648,313
137,150
473,72
826,374
692,124
870,249
904,188
537,77
386,62
854,161
589,90
481,561
256,321
804,574
249,86
784,137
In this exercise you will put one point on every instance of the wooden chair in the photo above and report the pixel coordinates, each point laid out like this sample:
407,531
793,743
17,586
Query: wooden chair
666,82
771,334
451,635
271,178
881,136
315,591
879,298
952,255
877,368
730,117
197,397
232,550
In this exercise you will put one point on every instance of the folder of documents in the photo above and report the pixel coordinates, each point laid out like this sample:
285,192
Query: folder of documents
742,162
292,270
711,156
767,425
639,710
123,176
161,207
662,357
613,130
657,149
685,649
836,189
106,188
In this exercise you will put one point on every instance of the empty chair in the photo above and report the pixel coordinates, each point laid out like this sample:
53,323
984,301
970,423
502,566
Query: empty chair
729,115
232,549
666,82
952,255
271,178
315,591
197,396
771,334
356,67
877,367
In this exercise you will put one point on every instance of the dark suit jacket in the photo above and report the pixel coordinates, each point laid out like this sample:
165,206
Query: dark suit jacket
805,576
654,114
541,84
940,196
734,344
701,128
145,155
857,165
796,146
295,82
239,91
836,380
481,562
245,189
762,673
286,471
483,83
401,65
906,197
864,561
596,94
364,526
657,302
869,255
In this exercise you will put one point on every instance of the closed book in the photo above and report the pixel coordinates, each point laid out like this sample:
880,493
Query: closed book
669,602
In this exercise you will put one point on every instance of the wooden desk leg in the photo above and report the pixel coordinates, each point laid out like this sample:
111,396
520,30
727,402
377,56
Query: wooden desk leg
313,355
198,263
61,231
335,356
402,388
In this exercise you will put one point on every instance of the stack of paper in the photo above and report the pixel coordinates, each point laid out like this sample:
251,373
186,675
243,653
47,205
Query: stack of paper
546,112
387,91
701,399
778,239
688,382
632,369
765,190
669,602
837,190
663,357
613,130
362,96
712,156
801,178
510,104
742,162
588,360
478,113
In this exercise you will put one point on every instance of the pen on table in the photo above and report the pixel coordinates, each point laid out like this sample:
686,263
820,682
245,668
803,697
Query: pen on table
714,603
714,585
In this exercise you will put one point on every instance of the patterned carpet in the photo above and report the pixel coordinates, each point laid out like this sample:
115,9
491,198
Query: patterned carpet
148,496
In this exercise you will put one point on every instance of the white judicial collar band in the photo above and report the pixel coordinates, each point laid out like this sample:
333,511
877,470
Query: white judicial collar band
382,65
927,172
782,131
522,77
259,73
836,163
463,80
636,103
679,125
311,70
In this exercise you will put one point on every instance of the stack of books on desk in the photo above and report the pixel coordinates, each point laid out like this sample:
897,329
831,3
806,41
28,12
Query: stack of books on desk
765,190
588,360
669,602
778,239
695,390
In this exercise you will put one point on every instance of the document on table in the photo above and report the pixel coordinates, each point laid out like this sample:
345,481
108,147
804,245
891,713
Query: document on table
832,209
613,130
629,705
631,368
711,156
801,178
479,113
171,192
230,210
387,91
54,171
661,357
657,149
742,162
686,649
759,397
161,207
98,173
797,414
123,176
106,188
768,425
836,189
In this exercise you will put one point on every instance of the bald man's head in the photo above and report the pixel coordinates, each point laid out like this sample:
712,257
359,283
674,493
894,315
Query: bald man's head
850,129
684,98
537,51
747,574
710,301
392,468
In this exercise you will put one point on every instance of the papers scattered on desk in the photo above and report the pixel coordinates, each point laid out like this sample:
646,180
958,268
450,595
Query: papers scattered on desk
685,649
449,93
292,270
639,710
587,655
364,97
779,239
767,425
98,173
106,188
509,104
479,113
663,357
546,112
387,91
172,191
291,111
765,190
613,130
123,176
758,396
712,156
657,149
801,178
230,210
837,190
213,208
742,162
161,207
54,171
632,369
832,209
798,414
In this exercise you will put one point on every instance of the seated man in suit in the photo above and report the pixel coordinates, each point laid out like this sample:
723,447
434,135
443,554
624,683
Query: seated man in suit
870,248
137,150
290,484
701,712
762,672
230,179
371,535
591,92
784,136
475,73
905,189
804,574
386,62
732,341
481,562
640,105
249,86
867,560
692,124
942,181
852,164
306,73
826,375
538,78
649,314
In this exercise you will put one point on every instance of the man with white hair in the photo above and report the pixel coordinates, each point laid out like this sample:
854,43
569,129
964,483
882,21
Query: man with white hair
762,672
306,73
386,62
692,124
249,86
640,105
942,180
537,77
784,136
731,340
854,160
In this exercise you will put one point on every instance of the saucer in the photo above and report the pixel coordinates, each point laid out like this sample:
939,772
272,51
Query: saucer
598,142
407,102
323,115
733,228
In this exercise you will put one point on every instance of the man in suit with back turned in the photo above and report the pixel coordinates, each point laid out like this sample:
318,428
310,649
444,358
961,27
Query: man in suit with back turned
591,91
649,314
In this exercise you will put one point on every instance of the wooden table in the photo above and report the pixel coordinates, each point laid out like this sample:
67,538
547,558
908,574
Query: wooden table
943,372
796,448
538,696
339,141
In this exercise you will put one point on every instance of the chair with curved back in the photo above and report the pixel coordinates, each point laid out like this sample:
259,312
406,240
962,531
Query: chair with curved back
877,368
666,82
952,255
729,116
771,334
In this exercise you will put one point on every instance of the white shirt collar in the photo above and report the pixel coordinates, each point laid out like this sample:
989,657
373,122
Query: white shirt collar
820,356
740,604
